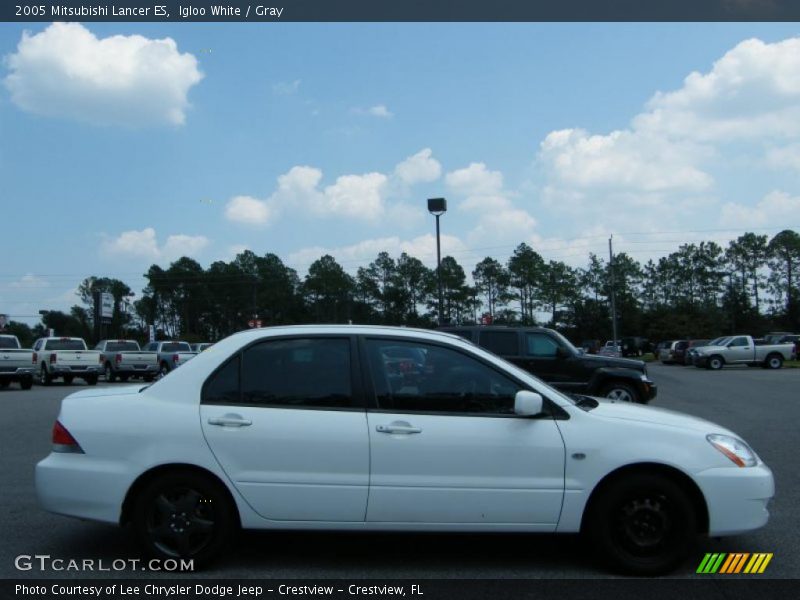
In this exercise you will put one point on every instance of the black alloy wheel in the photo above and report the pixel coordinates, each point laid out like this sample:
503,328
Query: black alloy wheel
184,515
643,524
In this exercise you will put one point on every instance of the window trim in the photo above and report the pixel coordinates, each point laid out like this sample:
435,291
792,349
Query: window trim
550,409
359,398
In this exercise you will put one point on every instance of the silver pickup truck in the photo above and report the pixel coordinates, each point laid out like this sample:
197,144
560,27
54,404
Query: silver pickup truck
16,364
124,359
743,350
65,357
171,355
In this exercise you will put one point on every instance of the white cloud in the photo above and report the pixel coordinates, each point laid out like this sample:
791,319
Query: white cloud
28,282
419,168
66,71
475,180
379,110
248,210
286,88
234,251
776,209
786,157
144,244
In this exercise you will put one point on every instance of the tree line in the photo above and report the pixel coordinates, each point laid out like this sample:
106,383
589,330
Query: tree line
699,290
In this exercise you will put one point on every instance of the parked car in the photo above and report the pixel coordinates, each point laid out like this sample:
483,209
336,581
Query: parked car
124,359
775,337
742,350
684,356
16,364
300,427
67,358
171,355
634,346
792,339
549,355
667,353
591,346
691,353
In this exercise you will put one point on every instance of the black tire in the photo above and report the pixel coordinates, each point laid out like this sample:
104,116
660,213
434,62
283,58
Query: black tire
617,390
68,379
715,363
90,379
642,524
182,514
45,377
26,383
774,361
164,369
4,384
110,377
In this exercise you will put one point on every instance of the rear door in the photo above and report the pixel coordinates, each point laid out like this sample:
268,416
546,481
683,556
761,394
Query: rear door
285,418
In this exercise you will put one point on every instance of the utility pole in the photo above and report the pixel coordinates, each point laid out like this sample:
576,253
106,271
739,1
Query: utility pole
613,300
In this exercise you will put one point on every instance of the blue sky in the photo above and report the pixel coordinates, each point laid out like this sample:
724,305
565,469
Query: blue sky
119,150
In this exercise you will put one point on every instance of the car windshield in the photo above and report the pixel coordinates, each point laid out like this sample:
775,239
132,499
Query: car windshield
65,344
176,347
8,342
122,346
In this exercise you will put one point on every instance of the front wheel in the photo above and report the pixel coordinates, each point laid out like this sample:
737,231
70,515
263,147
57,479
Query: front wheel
715,363
620,391
184,515
642,524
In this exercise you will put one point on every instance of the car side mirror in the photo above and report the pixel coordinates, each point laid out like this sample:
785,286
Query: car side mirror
528,404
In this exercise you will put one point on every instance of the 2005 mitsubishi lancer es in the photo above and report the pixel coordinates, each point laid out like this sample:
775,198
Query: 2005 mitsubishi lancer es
379,428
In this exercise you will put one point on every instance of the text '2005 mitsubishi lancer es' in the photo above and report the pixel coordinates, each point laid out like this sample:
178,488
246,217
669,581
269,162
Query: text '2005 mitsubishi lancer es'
378,428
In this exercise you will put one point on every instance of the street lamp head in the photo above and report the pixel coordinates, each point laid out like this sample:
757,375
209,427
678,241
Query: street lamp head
437,206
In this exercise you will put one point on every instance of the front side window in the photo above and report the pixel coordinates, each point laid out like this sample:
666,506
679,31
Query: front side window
540,345
502,343
298,373
738,342
443,380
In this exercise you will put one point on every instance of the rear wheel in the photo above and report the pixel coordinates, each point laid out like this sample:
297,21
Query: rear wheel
643,524
124,378
91,379
26,383
164,369
619,391
68,379
184,515
110,377
774,361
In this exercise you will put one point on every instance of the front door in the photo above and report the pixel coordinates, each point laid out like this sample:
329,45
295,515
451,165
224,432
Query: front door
287,425
446,446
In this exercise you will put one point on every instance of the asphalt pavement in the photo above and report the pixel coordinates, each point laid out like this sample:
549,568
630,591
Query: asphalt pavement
762,406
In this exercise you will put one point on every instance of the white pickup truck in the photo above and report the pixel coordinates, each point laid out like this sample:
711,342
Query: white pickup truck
124,359
16,364
66,357
171,355
742,350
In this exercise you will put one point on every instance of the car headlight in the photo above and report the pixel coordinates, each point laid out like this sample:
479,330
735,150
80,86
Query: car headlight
736,450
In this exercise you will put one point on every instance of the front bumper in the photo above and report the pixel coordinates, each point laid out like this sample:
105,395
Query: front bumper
737,498
648,390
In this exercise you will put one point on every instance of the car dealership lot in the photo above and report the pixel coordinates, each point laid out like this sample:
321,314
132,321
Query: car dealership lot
760,405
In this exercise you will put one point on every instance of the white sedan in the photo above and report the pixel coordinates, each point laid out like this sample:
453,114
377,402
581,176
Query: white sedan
380,428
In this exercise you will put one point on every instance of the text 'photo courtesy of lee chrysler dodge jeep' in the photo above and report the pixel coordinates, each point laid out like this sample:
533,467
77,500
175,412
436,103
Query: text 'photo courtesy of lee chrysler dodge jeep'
551,357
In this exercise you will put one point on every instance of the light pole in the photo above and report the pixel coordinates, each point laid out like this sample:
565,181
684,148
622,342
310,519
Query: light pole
437,207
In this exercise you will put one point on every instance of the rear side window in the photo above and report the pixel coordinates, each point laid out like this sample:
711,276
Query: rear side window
298,373
503,343
223,386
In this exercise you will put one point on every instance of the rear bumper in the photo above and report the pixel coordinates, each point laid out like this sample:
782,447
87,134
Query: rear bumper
129,370
58,370
16,375
737,498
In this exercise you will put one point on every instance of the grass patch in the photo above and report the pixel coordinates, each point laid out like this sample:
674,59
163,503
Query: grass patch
792,364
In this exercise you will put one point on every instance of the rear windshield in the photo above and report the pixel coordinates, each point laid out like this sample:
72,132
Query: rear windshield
122,346
8,343
65,345
176,347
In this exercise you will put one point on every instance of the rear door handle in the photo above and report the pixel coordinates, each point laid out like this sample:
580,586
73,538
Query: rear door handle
406,429
230,421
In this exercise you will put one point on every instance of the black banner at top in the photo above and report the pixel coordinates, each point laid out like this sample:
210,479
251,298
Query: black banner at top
399,10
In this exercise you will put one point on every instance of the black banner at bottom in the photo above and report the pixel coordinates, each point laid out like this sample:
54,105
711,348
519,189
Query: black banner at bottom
711,588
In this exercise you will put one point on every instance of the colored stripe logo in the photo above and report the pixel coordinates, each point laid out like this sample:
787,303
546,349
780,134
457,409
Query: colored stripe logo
734,563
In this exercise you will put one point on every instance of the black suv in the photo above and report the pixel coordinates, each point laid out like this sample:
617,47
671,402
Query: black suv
552,358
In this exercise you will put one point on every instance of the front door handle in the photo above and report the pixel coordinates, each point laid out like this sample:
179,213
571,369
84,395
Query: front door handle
398,428
230,421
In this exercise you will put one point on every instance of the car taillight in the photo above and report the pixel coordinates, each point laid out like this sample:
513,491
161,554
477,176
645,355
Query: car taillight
100,359
35,358
118,358
175,358
53,358
63,440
